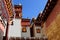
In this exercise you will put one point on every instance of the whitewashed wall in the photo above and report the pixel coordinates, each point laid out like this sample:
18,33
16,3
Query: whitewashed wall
1,31
26,34
37,34
15,29
5,27
1,35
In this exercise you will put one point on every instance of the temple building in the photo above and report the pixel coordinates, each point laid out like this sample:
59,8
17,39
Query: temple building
45,27
51,20
25,23
15,27
6,11
1,27
35,28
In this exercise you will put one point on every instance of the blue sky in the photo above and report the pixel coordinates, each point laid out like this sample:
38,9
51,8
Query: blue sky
31,8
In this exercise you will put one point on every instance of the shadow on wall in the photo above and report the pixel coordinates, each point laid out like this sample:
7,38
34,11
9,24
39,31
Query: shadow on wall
18,38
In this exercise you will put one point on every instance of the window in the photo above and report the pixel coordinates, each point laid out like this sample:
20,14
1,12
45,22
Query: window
24,29
38,30
17,14
12,23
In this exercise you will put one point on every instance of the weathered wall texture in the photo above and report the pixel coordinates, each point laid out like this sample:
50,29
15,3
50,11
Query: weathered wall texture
52,24
53,30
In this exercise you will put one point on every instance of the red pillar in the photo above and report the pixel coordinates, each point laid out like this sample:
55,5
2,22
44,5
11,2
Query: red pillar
7,31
